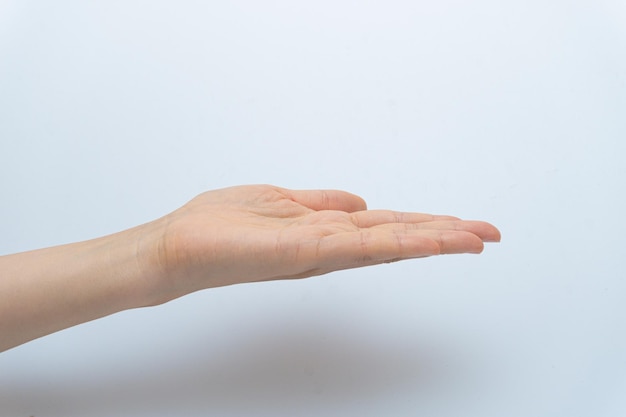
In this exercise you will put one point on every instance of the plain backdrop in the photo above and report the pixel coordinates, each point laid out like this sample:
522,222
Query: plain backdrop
113,113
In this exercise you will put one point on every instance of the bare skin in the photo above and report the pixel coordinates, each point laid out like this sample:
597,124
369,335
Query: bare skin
222,237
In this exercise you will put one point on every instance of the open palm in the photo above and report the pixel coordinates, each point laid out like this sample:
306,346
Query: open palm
262,232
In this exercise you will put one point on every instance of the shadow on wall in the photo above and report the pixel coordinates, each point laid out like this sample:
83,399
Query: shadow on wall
289,368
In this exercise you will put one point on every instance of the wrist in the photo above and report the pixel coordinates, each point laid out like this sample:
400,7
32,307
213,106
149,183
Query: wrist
150,282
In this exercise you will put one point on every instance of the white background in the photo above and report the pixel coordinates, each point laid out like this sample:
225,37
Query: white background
113,113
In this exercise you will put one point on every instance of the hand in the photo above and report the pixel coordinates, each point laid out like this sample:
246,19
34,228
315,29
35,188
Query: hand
260,233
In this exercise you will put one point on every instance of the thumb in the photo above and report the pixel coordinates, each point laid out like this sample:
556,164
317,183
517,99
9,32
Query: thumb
328,200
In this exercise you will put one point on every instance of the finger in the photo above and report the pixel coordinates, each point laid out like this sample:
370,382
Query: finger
327,200
485,231
454,241
370,218
370,247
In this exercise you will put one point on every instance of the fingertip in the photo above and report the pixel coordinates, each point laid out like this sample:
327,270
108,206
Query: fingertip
478,248
493,235
471,244
486,231
457,242
357,202
344,201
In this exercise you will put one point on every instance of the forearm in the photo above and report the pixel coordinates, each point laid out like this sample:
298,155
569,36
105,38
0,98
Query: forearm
47,290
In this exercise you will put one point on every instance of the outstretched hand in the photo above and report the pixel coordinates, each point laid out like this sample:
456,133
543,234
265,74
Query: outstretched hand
261,232
222,237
